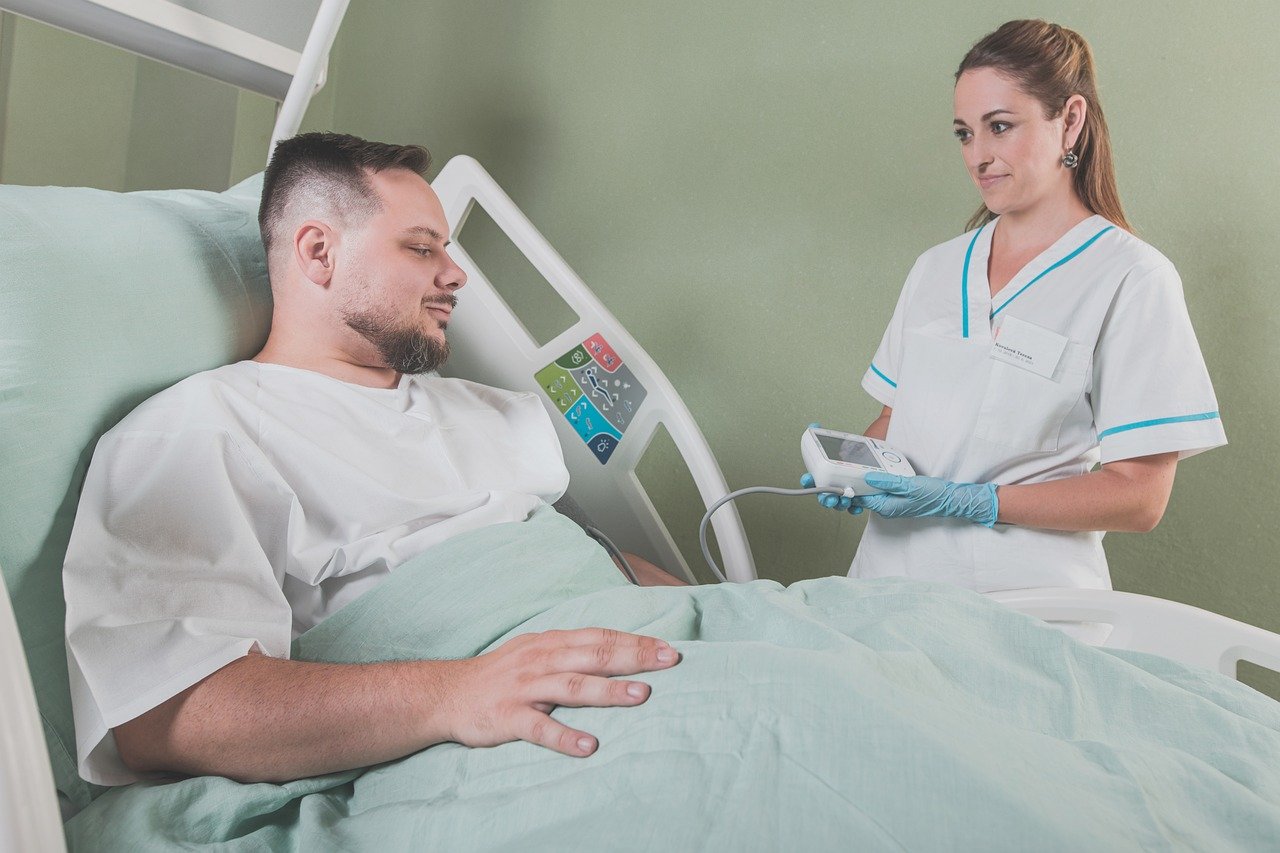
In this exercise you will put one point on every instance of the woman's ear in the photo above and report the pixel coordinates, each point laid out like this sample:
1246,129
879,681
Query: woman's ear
1073,116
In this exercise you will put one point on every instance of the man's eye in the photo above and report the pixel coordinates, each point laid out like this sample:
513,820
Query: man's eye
422,251
962,134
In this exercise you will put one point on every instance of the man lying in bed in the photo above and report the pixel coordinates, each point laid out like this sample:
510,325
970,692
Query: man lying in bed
234,511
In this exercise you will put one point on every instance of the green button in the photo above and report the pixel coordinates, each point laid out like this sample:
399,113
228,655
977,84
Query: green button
559,386
574,358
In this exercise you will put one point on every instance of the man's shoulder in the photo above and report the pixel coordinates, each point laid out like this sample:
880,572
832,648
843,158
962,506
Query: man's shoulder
209,399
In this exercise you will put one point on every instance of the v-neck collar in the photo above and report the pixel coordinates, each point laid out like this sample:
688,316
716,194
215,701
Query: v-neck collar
977,300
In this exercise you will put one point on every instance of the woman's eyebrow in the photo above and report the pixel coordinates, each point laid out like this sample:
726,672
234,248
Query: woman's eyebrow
987,117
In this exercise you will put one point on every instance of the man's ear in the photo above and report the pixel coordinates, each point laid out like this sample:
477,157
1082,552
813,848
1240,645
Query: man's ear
314,251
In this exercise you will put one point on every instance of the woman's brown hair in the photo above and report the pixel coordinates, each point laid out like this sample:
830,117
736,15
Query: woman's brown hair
1052,63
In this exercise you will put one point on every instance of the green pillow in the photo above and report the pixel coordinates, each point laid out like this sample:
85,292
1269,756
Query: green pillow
105,299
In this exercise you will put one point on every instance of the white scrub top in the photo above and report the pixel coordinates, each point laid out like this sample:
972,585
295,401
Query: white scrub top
1086,355
243,505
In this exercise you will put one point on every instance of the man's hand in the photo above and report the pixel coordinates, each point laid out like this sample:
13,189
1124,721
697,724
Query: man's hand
509,693
262,719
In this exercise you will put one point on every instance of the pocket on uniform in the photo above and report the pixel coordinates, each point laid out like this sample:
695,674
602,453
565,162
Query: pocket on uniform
1025,411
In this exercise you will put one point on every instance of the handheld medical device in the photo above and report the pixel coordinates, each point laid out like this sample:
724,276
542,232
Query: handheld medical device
842,459
838,462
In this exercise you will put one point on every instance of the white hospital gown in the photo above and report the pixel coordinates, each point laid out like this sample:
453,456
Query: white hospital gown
245,504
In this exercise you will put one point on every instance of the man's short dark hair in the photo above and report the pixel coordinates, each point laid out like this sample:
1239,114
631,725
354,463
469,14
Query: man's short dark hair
329,171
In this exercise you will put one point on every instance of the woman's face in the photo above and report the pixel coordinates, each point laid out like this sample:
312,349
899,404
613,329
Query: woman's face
1013,153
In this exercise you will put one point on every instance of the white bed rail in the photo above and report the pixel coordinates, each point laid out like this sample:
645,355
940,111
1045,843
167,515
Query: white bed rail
1146,624
491,345
310,74
29,819
170,32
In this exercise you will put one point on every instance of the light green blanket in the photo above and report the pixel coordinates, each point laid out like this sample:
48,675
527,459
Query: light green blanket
830,715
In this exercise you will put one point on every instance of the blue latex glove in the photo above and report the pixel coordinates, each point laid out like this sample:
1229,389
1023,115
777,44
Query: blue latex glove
921,497
831,500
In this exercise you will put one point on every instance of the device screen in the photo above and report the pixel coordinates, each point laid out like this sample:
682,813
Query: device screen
841,450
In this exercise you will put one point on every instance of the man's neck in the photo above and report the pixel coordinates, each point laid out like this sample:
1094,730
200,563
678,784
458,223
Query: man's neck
330,362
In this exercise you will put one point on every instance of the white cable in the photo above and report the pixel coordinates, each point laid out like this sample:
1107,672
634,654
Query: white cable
773,490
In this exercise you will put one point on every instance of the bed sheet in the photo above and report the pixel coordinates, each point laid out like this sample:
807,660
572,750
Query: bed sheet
831,714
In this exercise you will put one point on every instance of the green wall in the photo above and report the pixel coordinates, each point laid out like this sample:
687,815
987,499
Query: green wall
79,113
745,185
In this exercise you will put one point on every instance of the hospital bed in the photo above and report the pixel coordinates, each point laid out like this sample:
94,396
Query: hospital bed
52,410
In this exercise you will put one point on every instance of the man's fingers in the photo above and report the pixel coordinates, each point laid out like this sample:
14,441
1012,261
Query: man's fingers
616,652
540,729
605,659
575,690
603,637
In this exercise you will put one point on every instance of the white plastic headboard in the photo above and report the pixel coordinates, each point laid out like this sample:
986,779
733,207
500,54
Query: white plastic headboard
492,346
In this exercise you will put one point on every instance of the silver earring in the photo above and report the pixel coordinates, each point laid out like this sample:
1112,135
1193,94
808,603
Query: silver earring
1071,160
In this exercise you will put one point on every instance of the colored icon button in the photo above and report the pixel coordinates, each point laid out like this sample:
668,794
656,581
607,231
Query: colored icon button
603,446
574,358
559,386
604,354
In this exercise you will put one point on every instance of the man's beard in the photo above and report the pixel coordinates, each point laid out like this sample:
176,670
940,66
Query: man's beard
404,347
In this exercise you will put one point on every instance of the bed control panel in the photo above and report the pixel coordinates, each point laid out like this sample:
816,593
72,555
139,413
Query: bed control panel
595,392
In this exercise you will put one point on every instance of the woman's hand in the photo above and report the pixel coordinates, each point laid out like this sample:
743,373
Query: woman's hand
930,497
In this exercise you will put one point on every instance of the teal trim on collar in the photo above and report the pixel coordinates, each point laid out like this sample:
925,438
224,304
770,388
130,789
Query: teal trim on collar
1203,416
1086,245
877,372
964,280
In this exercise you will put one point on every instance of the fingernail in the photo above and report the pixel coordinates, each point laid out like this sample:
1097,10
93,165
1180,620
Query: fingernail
666,655
635,690
585,744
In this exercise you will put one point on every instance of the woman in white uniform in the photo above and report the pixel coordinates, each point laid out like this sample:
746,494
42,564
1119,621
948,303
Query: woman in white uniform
1021,354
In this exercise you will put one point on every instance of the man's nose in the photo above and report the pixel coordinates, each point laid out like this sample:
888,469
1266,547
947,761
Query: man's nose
452,277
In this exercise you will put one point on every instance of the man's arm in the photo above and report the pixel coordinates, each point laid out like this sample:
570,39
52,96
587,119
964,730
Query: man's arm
266,719
648,574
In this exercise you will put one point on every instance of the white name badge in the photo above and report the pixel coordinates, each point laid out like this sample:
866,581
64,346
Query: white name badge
1028,346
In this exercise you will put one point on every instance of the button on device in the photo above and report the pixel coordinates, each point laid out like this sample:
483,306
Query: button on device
892,457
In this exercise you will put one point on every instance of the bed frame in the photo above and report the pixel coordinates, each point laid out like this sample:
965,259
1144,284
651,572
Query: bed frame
603,444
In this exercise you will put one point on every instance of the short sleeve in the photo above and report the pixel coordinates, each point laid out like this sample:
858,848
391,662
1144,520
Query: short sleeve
881,377
167,578
1151,389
